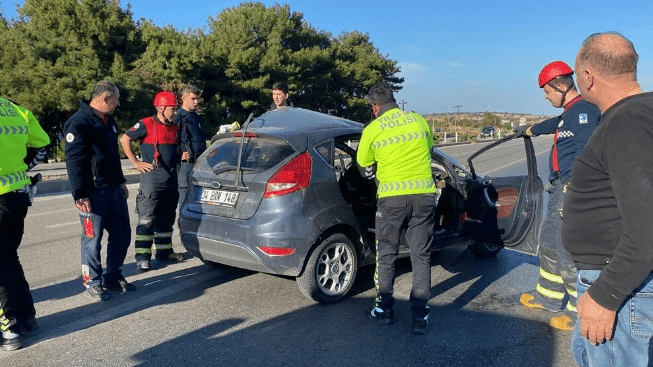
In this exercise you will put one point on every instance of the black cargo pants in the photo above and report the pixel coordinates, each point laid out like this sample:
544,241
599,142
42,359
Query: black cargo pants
415,214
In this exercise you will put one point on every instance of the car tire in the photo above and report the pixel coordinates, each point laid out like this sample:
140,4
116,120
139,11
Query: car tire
484,249
330,271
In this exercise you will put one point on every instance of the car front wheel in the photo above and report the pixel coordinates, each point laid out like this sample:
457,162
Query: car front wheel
484,249
330,271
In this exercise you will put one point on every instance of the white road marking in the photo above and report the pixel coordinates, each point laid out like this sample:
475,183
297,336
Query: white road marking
62,224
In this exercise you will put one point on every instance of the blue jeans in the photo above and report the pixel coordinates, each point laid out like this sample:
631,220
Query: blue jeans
108,212
182,179
630,343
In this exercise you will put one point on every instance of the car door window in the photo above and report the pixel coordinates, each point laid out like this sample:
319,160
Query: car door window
504,201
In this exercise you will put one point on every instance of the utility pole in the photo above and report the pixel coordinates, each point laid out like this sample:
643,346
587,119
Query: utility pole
454,120
402,103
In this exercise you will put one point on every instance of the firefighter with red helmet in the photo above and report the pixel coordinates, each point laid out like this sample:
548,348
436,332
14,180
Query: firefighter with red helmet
156,202
556,287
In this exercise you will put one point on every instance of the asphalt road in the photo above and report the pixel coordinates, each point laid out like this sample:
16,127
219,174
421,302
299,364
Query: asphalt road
193,314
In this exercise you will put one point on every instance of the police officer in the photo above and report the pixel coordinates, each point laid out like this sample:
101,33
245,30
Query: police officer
98,188
157,198
22,140
399,143
191,136
572,130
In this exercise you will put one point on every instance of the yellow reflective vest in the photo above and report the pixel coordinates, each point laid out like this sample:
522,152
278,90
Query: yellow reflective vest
400,142
19,130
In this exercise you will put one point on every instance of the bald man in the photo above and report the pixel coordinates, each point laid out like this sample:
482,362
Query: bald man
608,210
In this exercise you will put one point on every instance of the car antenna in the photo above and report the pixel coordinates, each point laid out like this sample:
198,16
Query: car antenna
240,148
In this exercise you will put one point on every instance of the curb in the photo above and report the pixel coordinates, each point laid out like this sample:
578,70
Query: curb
62,186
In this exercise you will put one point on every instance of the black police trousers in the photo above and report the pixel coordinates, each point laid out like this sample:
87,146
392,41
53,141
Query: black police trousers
13,209
415,214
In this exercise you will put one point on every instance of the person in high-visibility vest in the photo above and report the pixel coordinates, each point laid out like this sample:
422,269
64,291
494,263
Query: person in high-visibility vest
556,286
399,143
22,140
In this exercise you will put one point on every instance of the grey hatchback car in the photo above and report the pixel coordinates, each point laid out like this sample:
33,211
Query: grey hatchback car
284,196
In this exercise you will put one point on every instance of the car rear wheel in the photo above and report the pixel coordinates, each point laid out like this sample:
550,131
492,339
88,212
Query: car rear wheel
484,249
330,271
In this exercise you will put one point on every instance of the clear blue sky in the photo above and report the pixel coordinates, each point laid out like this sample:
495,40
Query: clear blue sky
482,55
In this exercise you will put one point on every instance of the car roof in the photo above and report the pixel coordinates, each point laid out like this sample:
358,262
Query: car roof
291,121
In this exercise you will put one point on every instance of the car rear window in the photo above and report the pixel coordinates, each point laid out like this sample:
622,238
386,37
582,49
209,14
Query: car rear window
260,153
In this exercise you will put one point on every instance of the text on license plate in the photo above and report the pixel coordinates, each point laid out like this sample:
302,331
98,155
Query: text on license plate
218,197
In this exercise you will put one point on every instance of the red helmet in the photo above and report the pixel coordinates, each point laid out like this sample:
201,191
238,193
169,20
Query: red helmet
165,98
553,70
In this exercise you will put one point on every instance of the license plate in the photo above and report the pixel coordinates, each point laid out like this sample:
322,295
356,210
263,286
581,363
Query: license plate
218,197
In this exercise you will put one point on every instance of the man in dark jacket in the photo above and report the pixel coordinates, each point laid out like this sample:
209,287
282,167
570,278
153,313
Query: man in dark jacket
556,286
280,96
608,210
191,137
98,188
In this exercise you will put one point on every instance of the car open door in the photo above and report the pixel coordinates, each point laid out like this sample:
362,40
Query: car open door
504,197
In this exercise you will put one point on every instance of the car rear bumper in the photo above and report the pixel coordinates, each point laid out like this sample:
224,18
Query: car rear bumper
238,242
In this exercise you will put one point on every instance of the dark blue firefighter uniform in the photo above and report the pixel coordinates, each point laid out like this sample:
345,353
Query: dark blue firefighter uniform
95,172
156,203
191,140
557,281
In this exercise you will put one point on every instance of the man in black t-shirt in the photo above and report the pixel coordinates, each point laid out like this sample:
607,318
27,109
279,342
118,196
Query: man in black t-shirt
608,210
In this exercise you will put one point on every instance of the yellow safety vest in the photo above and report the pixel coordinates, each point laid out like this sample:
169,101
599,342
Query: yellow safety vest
19,130
400,142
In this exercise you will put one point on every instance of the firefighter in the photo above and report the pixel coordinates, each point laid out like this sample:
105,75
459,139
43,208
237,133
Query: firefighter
22,140
399,143
556,287
157,198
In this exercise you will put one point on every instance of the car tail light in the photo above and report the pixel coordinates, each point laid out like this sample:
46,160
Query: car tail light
277,251
295,175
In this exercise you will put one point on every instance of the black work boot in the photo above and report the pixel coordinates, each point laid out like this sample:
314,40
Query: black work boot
384,317
420,322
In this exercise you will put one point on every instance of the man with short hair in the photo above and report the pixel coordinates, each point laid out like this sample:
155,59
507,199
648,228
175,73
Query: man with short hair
156,203
556,286
608,210
191,136
280,96
98,188
22,140
399,143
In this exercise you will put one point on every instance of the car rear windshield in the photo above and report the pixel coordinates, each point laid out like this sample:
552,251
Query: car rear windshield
260,153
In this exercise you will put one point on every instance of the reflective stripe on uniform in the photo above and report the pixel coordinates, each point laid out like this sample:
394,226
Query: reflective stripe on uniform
572,293
571,307
399,139
405,185
163,235
144,237
162,246
13,177
550,277
13,130
549,293
143,250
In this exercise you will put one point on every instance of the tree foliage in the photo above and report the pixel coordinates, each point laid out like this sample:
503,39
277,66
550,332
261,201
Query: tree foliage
58,49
